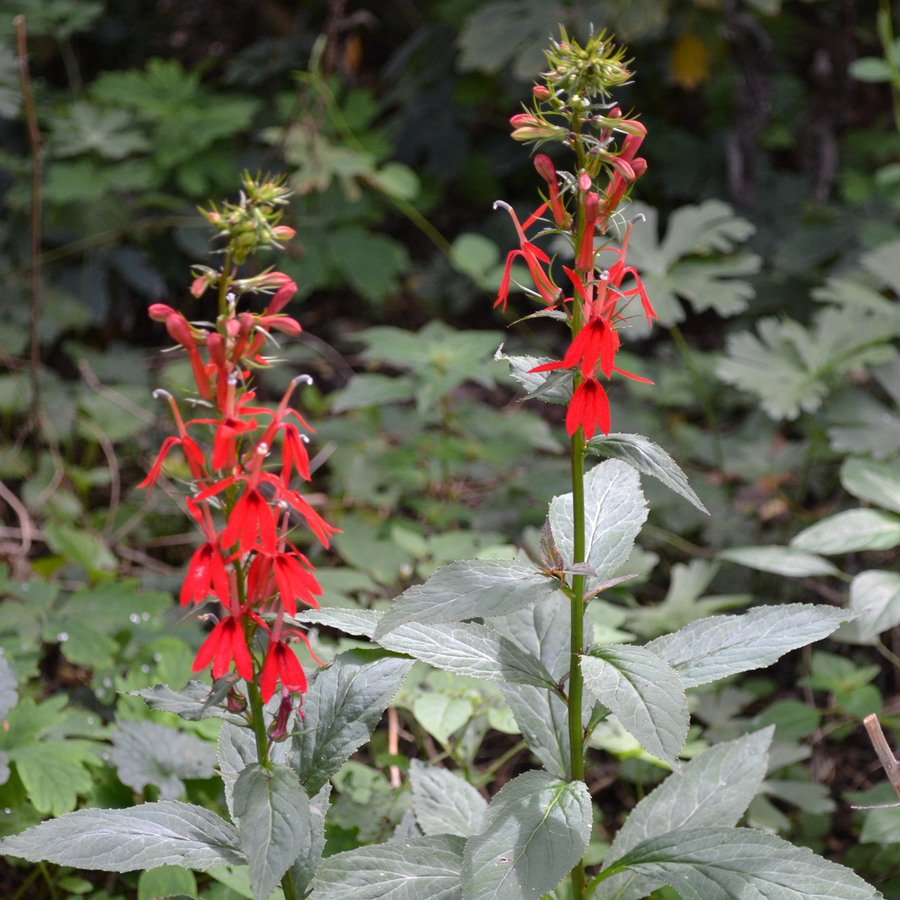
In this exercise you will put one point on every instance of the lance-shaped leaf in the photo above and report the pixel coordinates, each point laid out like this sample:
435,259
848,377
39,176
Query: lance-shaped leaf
614,511
342,708
235,750
462,648
780,561
425,868
644,693
875,598
443,802
849,531
648,458
168,833
716,789
878,482
469,589
273,821
190,702
303,870
542,718
717,646
535,830
738,863
553,390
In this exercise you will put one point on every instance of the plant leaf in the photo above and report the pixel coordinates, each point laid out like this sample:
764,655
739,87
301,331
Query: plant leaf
648,458
614,510
875,597
738,863
645,694
425,868
466,589
304,867
535,830
342,708
443,802
9,689
168,833
148,753
779,560
854,529
717,646
189,703
273,822
878,482
54,773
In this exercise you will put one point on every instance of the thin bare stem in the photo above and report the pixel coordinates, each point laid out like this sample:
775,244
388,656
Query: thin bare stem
882,748
34,139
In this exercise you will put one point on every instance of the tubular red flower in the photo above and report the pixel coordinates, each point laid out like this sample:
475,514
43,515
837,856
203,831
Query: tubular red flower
281,664
206,575
251,514
192,452
547,171
293,575
533,256
588,408
585,260
226,642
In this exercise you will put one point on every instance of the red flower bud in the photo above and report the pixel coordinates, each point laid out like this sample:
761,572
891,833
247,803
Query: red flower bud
281,298
215,343
541,92
584,181
639,166
159,312
283,232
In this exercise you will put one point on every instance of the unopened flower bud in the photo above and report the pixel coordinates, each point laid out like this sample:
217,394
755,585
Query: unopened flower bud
541,92
283,232
545,168
529,127
215,343
159,312
639,166
584,181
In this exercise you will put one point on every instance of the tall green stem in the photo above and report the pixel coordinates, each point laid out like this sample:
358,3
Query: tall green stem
259,723
576,646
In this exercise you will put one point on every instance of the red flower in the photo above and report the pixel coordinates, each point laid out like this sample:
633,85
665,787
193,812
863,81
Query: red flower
533,256
588,408
547,171
295,580
206,575
281,665
251,514
192,452
226,642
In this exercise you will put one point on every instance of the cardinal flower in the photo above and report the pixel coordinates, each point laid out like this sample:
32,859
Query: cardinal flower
206,571
533,256
281,665
588,408
226,642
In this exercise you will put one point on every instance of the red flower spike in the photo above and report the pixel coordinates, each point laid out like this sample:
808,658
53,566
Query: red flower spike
226,642
282,665
588,408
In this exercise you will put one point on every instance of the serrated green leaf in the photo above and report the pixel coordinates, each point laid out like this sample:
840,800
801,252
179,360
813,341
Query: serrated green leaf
715,789
273,822
644,693
854,529
425,868
779,560
467,589
737,863
614,511
148,753
125,840
877,482
712,648
882,826
443,802
537,384
468,649
341,709
875,598
807,796
535,830
235,750
715,284
190,702
542,718
304,867
708,227
648,458
54,773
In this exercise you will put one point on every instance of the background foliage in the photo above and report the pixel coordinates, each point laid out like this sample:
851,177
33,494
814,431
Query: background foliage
769,250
